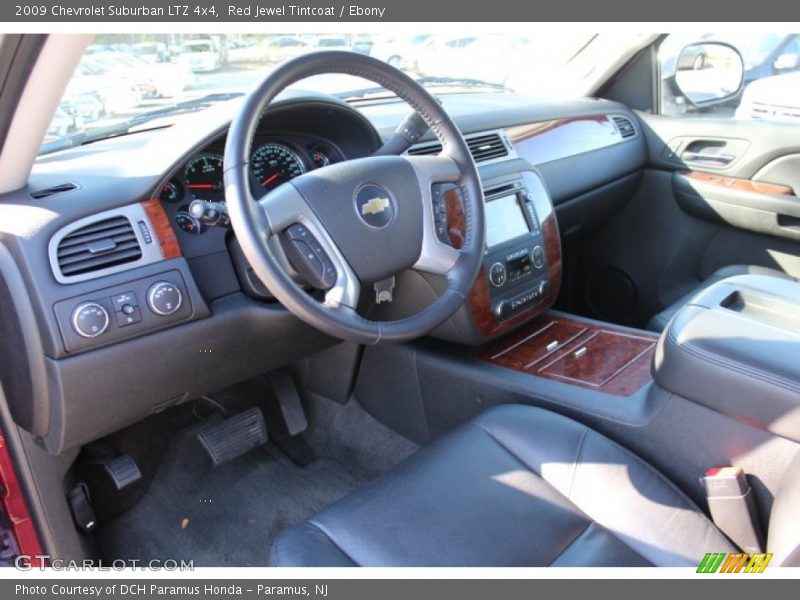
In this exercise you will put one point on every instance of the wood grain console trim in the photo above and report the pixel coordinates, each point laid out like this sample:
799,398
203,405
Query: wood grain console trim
162,228
480,300
576,352
744,185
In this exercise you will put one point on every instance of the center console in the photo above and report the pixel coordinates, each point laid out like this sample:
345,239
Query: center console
735,348
521,271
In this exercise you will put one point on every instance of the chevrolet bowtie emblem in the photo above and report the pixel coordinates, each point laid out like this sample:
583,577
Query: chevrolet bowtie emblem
375,206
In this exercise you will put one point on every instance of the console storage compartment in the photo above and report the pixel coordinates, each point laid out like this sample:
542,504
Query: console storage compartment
608,359
735,348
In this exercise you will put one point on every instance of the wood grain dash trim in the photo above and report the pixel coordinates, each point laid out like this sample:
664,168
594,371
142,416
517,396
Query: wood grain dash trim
162,229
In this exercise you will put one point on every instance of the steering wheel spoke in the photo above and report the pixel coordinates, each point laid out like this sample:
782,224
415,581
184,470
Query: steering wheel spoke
437,255
288,214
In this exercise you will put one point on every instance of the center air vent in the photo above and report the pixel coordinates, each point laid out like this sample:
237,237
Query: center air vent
482,147
100,245
624,126
486,147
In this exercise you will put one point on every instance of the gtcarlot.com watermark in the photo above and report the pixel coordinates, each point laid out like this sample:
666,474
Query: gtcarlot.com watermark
27,562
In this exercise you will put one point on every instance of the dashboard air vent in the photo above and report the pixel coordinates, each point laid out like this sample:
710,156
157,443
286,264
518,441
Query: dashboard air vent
429,150
98,246
482,147
486,147
624,126
52,191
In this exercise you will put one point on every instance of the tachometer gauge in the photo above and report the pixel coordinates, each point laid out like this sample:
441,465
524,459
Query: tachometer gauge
274,164
204,176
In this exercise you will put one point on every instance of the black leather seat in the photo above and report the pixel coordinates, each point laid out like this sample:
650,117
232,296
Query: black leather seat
659,321
517,486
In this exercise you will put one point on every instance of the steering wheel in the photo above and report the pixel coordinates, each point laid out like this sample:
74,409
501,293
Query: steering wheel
359,221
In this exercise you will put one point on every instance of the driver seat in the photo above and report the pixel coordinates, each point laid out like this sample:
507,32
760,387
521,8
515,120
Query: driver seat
522,486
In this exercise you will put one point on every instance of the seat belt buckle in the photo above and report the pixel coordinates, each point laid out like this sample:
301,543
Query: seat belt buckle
733,508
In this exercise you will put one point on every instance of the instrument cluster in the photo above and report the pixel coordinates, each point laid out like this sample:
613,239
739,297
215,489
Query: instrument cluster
273,162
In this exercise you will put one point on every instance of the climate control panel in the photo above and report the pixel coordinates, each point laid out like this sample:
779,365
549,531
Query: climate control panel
123,311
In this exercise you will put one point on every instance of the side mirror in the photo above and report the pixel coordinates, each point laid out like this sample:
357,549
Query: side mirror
786,61
709,73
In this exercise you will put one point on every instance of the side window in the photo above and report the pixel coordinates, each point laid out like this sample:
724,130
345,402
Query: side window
771,89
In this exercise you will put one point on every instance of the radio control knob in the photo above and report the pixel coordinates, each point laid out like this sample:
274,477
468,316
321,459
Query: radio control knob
497,274
164,298
544,288
537,256
89,319
503,309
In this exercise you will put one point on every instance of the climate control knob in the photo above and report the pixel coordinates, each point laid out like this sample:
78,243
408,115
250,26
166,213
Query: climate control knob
89,319
164,298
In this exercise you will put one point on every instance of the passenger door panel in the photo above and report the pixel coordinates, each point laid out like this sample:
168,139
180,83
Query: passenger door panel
716,192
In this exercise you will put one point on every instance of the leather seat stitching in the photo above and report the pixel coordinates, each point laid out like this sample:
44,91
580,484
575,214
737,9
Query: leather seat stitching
332,541
573,542
577,460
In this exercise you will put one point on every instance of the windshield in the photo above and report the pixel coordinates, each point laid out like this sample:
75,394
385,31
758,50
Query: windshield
125,80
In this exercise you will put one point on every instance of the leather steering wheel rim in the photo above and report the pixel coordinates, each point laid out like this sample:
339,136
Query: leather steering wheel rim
258,223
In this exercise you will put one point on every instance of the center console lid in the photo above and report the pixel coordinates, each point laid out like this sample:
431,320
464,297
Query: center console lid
735,348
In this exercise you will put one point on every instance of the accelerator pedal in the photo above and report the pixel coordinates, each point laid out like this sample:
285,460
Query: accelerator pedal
234,436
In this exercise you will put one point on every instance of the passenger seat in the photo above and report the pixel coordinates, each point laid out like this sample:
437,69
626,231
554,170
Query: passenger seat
659,321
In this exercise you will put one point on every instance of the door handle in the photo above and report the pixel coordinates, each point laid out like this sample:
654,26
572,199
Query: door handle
707,157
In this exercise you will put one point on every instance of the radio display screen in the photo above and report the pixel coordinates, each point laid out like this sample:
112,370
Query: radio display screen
504,220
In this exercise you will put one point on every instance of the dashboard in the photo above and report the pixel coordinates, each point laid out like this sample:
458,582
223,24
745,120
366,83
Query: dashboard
117,304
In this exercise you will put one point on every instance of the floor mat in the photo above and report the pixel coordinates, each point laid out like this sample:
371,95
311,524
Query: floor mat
224,516
348,434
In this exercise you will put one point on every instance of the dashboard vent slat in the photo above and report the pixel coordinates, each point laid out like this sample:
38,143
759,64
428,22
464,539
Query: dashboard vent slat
98,246
429,150
482,147
487,147
53,190
624,126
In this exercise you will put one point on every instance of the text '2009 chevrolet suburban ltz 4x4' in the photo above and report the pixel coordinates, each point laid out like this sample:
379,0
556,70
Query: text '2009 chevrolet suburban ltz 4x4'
427,301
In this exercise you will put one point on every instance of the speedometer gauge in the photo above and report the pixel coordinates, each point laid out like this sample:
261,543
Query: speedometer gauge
274,164
204,176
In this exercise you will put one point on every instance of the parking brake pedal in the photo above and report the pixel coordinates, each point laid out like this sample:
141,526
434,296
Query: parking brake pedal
123,471
234,436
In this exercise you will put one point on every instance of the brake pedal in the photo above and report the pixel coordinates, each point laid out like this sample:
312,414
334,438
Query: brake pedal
234,436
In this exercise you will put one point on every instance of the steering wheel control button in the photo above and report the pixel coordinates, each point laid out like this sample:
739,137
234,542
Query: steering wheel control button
308,257
90,319
126,299
537,256
374,206
497,274
440,214
164,298
129,315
